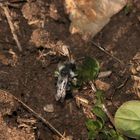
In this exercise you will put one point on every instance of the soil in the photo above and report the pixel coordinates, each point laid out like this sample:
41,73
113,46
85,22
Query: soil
30,77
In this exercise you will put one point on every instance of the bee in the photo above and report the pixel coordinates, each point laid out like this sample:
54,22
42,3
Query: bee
65,77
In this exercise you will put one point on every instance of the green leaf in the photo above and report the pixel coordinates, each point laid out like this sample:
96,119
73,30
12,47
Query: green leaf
119,138
110,134
88,70
100,98
115,135
128,8
93,125
100,113
92,135
127,119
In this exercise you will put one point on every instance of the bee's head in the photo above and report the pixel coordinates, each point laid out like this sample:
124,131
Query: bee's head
66,69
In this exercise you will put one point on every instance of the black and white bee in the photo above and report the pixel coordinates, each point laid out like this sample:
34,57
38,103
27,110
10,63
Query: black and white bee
65,76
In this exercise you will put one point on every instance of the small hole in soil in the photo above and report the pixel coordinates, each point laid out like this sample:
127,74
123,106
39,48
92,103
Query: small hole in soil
14,113
10,118
22,95
41,48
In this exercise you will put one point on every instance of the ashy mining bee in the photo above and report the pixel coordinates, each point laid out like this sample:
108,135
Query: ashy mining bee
65,78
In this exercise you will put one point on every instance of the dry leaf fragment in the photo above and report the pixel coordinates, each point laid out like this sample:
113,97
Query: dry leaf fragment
102,85
14,57
135,64
104,74
27,124
136,86
3,59
8,104
81,101
31,121
39,38
137,56
133,69
6,61
30,11
88,113
66,137
53,12
14,133
62,49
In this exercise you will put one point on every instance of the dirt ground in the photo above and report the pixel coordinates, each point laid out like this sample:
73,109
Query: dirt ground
30,76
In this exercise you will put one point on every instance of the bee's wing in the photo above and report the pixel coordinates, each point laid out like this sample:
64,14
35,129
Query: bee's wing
61,87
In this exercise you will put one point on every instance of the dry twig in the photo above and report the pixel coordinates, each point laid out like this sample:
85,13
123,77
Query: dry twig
9,19
36,115
123,83
3,72
106,52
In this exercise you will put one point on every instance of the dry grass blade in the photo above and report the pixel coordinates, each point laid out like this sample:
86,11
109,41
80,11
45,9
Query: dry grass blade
92,84
36,115
108,114
3,72
9,19
81,101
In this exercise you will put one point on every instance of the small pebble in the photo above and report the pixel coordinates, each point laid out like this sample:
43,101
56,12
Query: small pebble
49,108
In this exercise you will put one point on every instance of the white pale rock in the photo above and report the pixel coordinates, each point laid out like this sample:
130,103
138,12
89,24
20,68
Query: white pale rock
88,17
